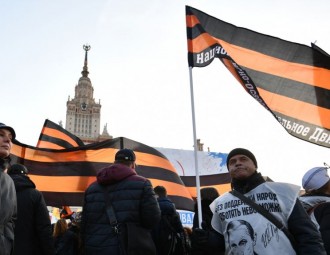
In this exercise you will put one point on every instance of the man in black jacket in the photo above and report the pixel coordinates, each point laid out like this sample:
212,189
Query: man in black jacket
168,234
132,198
33,231
279,199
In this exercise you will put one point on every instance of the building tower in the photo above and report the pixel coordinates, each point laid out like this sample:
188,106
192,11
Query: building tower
83,113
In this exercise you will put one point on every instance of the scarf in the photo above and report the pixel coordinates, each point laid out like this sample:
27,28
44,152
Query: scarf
244,186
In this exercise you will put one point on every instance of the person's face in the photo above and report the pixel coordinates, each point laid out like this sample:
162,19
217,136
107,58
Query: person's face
240,242
241,167
5,143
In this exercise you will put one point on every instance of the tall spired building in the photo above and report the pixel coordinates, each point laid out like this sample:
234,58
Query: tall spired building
83,113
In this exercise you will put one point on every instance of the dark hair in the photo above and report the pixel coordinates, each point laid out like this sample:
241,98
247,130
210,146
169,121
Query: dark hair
160,191
61,226
209,193
124,162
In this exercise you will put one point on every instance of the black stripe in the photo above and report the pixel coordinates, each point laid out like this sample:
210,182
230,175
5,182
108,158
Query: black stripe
52,125
206,180
159,173
182,203
56,141
295,127
59,199
140,147
290,88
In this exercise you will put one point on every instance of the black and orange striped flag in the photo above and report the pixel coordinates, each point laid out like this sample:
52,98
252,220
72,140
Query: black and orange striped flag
63,175
290,80
53,136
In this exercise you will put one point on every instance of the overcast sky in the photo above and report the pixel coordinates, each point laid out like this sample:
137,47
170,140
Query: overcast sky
138,68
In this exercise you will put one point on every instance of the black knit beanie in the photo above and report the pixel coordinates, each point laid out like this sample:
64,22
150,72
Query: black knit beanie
241,151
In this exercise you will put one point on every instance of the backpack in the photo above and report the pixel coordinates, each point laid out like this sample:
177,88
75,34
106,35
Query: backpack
170,238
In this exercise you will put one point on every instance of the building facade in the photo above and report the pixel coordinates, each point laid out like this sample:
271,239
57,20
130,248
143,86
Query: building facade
83,114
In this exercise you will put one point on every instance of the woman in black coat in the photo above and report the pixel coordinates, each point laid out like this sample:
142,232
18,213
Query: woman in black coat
33,232
66,241
207,196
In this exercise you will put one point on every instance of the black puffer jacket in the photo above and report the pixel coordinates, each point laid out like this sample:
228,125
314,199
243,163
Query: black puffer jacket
133,200
33,231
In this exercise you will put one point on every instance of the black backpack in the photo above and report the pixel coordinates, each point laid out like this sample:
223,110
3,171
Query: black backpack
170,237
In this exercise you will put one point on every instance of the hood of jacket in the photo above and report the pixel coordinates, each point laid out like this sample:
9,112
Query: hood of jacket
114,173
22,182
309,201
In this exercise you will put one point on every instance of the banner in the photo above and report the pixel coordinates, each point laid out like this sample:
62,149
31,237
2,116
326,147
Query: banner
63,175
290,80
212,168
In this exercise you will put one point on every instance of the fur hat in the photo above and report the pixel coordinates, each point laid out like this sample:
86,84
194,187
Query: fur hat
241,151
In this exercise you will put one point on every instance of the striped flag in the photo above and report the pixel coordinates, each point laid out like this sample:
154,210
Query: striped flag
63,175
291,80
58,137
53,136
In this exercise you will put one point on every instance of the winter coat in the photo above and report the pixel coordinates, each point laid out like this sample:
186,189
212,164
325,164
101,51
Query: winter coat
213,236
67,244
319,206
133,199
33,231
206,215
8,210
168,234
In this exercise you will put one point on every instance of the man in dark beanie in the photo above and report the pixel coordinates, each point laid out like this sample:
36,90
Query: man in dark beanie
280,200
8,205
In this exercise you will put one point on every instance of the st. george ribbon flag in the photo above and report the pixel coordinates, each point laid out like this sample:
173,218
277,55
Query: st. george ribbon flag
291,80
63,175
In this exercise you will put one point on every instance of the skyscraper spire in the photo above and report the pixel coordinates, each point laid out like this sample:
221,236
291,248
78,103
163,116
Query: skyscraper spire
85,72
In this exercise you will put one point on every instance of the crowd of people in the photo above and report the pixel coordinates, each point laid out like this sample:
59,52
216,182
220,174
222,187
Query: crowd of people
124,214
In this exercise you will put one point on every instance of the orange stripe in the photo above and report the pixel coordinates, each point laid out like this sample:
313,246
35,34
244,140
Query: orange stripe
99,155
191,20
257,61
173,189
145,159
62,183
222,188
59,134
297,109
49,145
201,43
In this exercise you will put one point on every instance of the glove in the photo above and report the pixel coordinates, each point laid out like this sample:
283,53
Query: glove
199,239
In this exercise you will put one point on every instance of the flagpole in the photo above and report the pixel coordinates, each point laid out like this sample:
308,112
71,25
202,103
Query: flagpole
199,204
